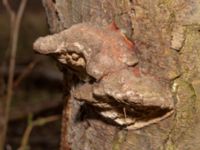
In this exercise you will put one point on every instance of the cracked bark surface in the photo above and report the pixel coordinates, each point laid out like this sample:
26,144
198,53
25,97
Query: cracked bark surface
166,34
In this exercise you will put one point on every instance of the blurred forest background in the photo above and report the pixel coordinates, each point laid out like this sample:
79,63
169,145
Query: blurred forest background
36,101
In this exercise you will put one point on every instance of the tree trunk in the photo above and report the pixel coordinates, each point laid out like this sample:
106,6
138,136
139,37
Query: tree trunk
166,34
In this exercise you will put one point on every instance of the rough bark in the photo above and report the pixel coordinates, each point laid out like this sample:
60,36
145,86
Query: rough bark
166,34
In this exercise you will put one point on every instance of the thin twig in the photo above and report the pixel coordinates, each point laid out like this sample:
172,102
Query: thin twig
11,13
12,16
31,125
25,72
16,25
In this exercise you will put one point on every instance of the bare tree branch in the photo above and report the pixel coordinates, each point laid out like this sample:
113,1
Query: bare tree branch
15,25
31,125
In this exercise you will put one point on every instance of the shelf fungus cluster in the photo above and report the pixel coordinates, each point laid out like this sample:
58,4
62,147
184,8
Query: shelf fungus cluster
111,81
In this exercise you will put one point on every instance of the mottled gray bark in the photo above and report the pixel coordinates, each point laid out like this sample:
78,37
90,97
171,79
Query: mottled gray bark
166,34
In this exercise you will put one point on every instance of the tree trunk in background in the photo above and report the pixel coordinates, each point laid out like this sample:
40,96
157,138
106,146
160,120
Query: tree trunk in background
167,35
